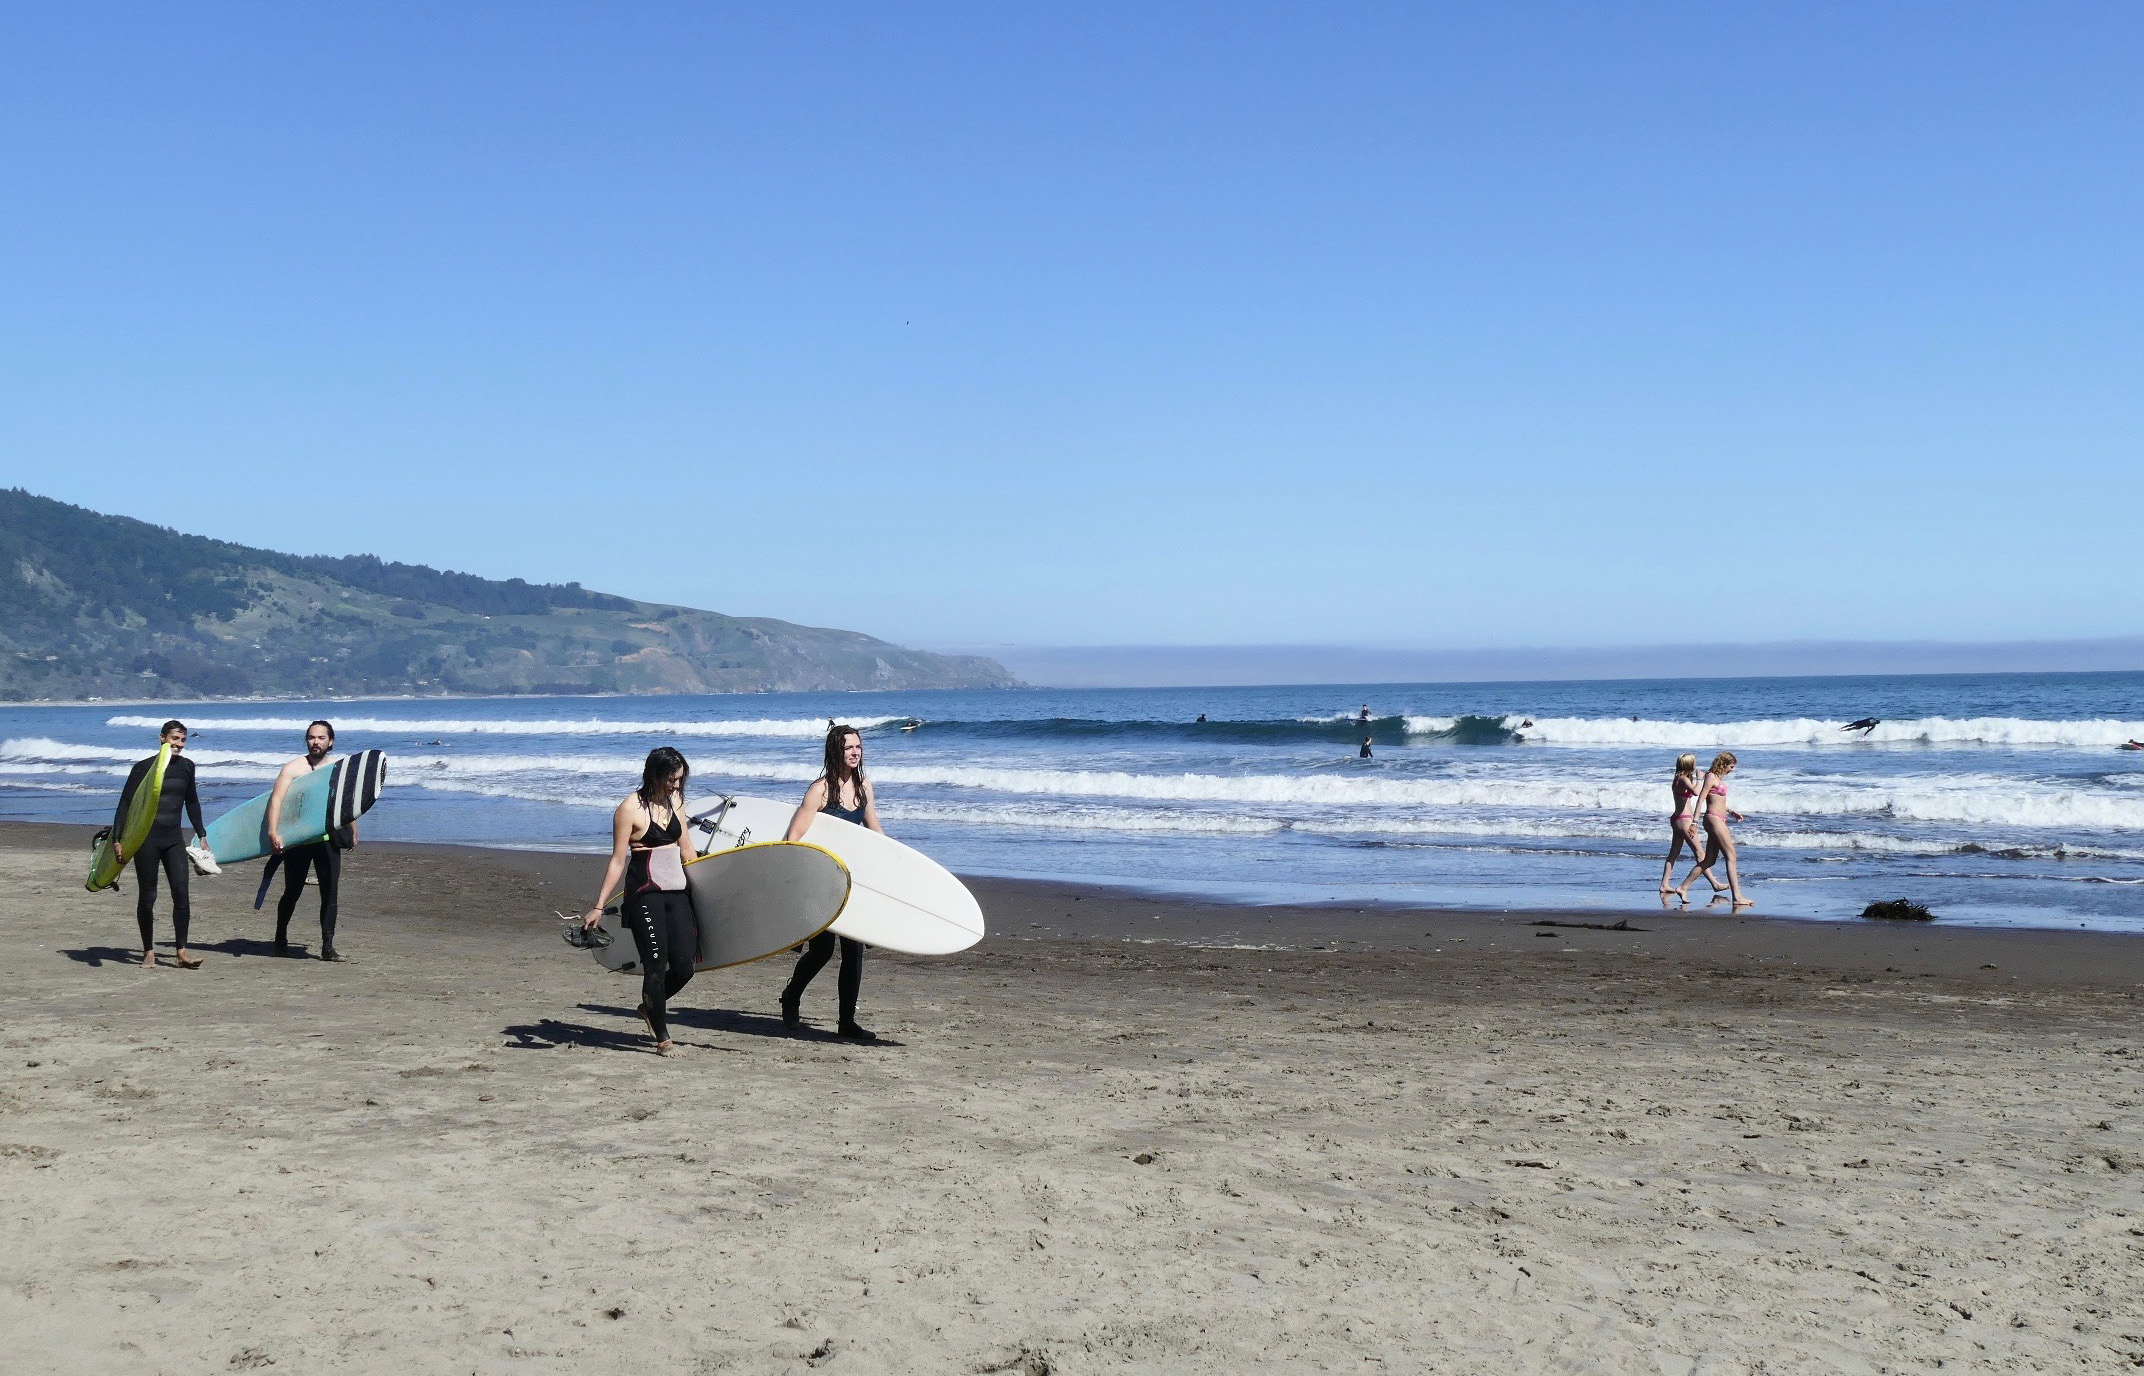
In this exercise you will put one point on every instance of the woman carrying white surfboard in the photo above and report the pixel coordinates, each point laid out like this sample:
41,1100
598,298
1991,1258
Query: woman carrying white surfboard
649,849
842,791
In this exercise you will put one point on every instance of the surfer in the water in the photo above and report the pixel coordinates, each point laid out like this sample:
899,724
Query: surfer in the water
1864,726
323,857
649,849
842,791
164,848
1365,749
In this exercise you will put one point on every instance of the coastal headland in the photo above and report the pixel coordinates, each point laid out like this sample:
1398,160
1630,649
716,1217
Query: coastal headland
1122,1134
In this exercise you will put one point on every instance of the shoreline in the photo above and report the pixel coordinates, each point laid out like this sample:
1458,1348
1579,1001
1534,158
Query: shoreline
1983,957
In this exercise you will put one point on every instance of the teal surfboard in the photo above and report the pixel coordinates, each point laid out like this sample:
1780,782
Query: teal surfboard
314,805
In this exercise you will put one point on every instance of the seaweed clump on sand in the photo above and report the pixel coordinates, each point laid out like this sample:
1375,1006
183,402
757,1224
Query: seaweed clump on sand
1899,910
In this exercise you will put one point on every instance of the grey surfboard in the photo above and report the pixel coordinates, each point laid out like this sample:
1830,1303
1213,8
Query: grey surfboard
751,902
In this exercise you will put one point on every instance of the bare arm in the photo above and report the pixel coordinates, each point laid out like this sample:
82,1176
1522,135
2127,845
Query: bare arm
807,811
275,803
871,809
193,806
622,825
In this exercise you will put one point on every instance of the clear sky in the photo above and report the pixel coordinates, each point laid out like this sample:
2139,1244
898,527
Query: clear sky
1408,325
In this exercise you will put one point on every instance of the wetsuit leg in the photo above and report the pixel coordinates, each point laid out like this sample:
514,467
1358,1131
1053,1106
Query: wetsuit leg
852,977
668,941
173,856
296,861
145,895
817,952
684,927
328,865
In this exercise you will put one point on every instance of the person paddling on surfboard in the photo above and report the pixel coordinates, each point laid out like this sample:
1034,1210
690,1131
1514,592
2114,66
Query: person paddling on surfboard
649,849
164,848
323,858
843,792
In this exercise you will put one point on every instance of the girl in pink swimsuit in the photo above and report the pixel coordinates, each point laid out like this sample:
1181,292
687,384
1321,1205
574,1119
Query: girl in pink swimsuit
1719,841
1683,826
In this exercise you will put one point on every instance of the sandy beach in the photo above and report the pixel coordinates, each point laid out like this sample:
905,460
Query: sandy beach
1121,1134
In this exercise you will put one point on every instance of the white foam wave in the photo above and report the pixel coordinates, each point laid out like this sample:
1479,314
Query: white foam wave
1804,732
1983,802
808,728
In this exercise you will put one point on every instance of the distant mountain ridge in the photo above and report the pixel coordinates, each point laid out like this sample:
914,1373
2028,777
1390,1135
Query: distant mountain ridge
107,606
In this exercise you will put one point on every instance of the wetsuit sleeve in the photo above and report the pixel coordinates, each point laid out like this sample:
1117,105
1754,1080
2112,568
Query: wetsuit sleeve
193,802
126,795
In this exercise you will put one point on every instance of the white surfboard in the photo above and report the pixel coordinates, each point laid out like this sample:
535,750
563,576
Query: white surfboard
899,898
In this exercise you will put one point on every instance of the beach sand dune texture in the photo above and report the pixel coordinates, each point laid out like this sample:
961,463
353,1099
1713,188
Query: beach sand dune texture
454,1154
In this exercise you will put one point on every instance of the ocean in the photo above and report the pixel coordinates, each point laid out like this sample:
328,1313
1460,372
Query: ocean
1993,799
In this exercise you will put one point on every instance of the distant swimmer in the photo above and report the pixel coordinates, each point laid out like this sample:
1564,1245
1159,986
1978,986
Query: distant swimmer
1202,719
1365,749
1864,726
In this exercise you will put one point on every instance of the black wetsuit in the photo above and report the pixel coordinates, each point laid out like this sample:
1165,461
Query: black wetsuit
324,859
164,848
820,949
663,925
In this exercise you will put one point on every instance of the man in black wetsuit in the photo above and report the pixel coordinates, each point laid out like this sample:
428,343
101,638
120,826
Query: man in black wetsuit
164,848
323,858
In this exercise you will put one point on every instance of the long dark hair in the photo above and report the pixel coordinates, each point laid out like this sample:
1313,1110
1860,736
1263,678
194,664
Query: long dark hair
655,776
837,768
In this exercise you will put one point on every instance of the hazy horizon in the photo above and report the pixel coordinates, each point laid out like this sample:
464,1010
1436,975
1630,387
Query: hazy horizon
1219,666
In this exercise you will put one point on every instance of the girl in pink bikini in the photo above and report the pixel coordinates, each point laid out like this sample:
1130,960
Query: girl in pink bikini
1719,841
1683,826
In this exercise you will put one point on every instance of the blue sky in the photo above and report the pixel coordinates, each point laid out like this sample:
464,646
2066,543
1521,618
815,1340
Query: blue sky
1407,326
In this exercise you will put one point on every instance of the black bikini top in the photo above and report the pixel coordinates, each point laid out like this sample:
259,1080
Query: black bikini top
656,837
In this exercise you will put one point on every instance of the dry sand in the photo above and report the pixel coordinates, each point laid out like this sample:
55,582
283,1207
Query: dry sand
1707,1146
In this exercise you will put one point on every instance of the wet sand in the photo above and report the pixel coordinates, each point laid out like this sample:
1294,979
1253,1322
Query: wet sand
1122,1134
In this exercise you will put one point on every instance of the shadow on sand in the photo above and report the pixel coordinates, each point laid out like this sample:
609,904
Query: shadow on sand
737,1021
548,1034
110,955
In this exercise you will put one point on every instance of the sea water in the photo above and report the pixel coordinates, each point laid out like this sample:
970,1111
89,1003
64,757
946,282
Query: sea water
1992,799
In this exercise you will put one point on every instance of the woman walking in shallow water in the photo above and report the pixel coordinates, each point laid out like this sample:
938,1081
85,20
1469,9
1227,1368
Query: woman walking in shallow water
649,851
1719,841
1683,827
843,792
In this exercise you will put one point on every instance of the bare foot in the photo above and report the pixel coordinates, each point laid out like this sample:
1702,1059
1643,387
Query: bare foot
186,961
148,960
668,1049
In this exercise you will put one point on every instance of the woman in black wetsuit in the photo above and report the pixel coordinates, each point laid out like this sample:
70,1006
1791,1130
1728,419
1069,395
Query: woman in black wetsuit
843,792
164,847
649,850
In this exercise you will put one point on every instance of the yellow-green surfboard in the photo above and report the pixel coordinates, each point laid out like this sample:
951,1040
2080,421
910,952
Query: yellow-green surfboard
105,866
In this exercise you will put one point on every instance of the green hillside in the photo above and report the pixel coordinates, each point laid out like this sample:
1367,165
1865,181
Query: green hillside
105,606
